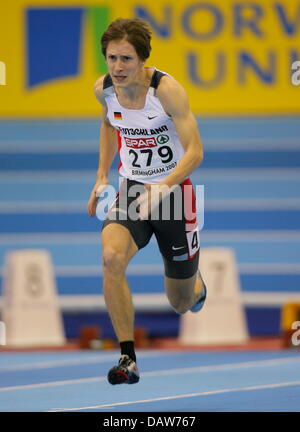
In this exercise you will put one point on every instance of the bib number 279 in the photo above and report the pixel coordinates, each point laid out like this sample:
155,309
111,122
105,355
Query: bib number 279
164,152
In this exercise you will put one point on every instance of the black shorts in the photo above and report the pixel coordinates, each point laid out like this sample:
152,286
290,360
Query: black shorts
174,226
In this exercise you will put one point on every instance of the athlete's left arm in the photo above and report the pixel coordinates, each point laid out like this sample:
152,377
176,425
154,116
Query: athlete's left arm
175,102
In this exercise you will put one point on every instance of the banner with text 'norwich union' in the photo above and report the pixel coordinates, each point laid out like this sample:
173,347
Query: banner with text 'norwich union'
233,57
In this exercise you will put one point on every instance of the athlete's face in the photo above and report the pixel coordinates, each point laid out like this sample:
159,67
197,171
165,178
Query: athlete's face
123,63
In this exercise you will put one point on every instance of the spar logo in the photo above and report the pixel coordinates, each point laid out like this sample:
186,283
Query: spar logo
162,139
141,143
55,41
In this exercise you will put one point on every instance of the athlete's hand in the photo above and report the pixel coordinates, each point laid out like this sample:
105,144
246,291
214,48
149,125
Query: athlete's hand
99,187
150,199
144,203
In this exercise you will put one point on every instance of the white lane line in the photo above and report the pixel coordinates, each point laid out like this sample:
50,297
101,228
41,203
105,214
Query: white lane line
61,145
260,236
54,364
159,302
47,176
79,361
231,204
53,384
243,174
67,146
240,204
252,144
187,395
45,207
269,268
157,269
133,269
55,238
177,371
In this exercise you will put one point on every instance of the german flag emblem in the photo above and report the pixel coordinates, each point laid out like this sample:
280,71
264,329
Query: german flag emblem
118,115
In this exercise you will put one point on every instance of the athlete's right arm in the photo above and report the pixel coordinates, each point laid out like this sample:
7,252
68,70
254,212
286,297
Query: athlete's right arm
107,150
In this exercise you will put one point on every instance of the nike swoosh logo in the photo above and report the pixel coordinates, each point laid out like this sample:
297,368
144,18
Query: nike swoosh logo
150,118
176,248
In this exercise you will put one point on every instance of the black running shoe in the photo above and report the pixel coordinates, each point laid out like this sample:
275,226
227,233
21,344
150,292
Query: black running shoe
125,373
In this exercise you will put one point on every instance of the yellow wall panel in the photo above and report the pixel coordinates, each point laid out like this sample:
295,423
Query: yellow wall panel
232,57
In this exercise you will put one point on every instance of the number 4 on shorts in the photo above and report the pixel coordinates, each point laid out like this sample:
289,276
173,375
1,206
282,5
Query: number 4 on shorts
193,241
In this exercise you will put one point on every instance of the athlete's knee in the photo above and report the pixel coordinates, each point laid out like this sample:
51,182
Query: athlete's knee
114,260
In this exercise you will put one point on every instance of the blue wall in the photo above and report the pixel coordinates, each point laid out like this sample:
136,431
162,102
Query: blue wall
252,189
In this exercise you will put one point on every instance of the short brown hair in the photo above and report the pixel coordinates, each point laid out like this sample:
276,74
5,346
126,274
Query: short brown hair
135,31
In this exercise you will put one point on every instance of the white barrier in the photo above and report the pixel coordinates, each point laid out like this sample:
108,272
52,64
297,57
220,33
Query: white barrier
222,319
30,305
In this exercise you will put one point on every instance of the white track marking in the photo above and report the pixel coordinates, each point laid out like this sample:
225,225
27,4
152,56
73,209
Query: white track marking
259,236
206,174
182,396
54,364
235,204
76,361
53,384
177,371
61,145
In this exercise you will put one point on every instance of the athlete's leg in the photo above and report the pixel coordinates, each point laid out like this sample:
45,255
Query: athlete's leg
121,239
118,247
183,294
179,244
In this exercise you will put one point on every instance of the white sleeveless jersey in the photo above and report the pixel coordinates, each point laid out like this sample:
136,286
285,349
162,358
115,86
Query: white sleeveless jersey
149,146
